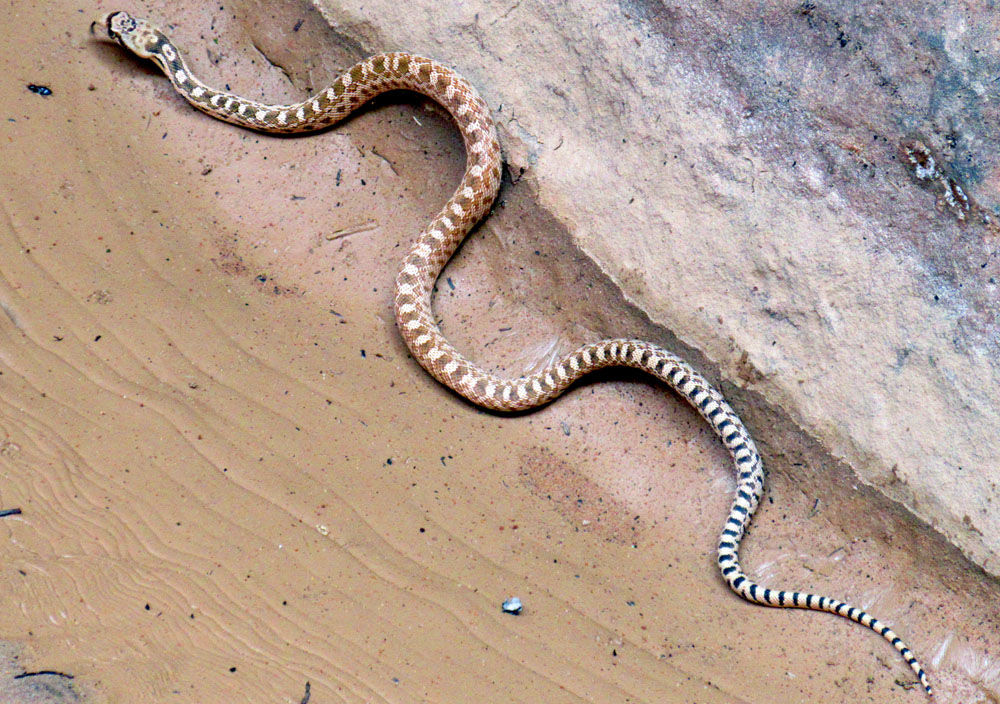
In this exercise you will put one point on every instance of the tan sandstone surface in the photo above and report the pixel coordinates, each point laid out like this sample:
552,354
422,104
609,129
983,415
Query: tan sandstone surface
236,485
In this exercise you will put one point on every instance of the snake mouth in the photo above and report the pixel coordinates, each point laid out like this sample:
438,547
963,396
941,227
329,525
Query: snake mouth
104,21
107,23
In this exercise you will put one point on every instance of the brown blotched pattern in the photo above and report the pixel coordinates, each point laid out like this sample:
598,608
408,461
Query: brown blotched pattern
435,245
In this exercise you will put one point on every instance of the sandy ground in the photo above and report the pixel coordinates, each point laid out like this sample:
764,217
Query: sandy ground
236,484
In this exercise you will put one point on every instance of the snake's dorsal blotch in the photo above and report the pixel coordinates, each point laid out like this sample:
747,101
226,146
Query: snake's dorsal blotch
439,239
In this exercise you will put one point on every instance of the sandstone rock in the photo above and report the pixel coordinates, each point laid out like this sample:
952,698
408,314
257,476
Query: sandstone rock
804,193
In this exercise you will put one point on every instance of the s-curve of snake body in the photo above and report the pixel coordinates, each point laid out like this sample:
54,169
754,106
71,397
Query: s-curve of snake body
438,241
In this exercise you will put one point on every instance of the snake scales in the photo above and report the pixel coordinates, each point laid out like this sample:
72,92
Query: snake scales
435,245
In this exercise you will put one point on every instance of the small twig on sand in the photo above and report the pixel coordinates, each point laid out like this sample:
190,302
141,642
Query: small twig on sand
41,673
353,230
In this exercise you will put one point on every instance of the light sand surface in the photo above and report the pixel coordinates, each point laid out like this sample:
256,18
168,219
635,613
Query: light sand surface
235,481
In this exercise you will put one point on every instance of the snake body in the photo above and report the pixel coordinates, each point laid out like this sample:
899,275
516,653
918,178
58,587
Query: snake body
435,245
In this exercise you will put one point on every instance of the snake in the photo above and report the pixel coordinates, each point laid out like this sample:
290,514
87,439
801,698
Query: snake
434,246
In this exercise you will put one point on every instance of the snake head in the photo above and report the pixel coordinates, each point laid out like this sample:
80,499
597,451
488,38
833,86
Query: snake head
136,35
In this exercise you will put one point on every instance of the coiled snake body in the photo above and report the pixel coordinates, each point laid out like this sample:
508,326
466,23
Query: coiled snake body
435,245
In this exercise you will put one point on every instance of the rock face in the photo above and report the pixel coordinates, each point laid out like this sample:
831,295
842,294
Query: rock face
804,193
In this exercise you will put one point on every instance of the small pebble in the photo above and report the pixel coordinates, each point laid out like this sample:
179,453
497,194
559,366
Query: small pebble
512,606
